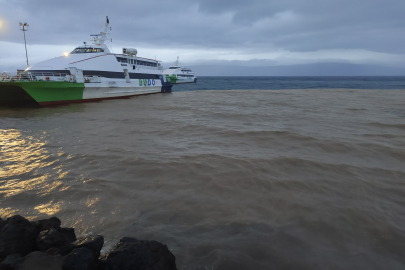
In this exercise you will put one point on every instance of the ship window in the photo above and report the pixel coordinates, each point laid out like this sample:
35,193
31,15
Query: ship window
138,62
87,50
121,59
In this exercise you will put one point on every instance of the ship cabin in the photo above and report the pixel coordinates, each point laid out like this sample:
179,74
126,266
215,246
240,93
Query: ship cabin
139,62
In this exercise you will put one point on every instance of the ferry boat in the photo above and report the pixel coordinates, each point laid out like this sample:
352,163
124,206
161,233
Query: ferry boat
88,73
177,74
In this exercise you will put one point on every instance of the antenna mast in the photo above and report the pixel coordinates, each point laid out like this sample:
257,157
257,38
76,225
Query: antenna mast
24,27
100,38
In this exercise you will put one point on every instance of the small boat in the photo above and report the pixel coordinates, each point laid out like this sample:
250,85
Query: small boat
88,73
177,74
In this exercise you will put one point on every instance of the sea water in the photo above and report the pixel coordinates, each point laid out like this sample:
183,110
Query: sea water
309,175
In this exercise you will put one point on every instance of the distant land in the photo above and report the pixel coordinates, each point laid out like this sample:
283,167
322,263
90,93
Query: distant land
228,68
317,69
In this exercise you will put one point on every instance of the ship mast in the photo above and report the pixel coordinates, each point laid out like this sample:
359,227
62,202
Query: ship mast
24,27
100,38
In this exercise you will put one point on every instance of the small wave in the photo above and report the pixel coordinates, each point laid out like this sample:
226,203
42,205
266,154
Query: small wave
357,109
385,125
384,135
267,134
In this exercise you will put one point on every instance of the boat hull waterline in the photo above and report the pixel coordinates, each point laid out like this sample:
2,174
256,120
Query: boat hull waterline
50,93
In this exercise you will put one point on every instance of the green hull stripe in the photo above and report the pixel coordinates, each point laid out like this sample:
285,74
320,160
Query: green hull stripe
171,78
48,91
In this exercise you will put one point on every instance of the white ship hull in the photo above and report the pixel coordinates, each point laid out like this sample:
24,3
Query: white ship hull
88,73
96,91
186,80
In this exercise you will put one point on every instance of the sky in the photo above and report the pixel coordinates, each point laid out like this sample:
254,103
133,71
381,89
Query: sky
250,33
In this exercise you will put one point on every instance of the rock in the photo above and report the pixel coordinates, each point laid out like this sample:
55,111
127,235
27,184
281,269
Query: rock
10,261
79,259
69,234
92,242
3,223
53,239
47,224
130,253
101,265
40,261
128,239
7,267
53,251
17,236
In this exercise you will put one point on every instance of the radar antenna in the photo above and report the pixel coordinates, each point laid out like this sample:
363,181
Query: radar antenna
100,38
176,64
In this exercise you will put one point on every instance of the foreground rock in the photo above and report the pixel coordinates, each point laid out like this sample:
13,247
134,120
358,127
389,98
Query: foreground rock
47,224
93,243
43,244
131,253
79,259
54,239
38,260
10,261
18,235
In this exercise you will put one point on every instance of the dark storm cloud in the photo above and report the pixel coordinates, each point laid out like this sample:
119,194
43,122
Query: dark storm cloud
255,25
318,24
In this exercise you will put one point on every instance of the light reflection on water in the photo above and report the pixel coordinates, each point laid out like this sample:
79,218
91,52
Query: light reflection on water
22,155
49,208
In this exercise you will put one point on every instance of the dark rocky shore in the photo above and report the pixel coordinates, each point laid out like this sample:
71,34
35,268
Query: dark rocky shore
44,245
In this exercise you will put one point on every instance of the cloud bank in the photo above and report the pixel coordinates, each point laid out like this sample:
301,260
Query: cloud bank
201,32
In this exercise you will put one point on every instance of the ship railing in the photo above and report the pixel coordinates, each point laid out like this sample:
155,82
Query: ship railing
50,76
92,79
35,76
15,76
47,76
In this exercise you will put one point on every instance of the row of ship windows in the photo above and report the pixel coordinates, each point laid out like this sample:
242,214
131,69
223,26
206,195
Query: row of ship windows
181,70
180,75
135,62
87,50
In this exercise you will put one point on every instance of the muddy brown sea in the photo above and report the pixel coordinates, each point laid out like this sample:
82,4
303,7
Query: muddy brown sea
235,179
